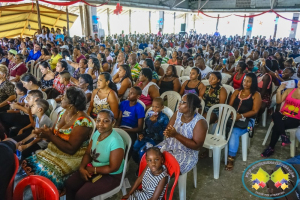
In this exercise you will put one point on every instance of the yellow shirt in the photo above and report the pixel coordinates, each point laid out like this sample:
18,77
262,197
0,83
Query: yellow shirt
54,60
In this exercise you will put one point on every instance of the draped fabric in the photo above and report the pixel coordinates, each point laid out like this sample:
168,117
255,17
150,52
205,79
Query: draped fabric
68,3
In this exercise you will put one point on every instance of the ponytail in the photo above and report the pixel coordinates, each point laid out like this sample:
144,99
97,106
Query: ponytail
111,84
198,71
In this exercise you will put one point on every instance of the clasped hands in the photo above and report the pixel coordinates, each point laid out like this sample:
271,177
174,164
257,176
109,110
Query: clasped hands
170,132
44,132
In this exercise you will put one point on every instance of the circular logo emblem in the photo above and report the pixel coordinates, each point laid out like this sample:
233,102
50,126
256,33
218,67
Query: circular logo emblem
270,178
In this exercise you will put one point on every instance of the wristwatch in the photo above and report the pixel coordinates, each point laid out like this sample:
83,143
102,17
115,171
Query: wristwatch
95,171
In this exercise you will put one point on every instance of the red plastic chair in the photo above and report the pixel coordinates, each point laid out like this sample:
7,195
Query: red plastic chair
172,167
41,187
10,187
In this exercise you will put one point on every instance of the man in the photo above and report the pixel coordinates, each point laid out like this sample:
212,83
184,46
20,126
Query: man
159,32
35,53
143,44
182,48
188,44
295,53
77,54
163,56
59,36
120,61
246,53
134,65
143,58
205,70
96,38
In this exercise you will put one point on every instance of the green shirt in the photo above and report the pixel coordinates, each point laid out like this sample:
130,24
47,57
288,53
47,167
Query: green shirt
100,152
135,71
164,59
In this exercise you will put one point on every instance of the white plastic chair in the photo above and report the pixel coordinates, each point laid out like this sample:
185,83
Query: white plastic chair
52,105
166,110
142,103
44,95
127,141
38,73
264,115
55,113
183,79
292,138
217,141
31,63
169,53
225,78
187,71
205,82
179,70
176,48
173,99
164,66
229,89
147,49
202,105
182,183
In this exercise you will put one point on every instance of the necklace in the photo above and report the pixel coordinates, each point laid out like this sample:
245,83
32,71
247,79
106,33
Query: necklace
185,121
101,139
73,116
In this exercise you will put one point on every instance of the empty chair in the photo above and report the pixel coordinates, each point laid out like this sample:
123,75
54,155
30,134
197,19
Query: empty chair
179,70
218,140
41,188
173,99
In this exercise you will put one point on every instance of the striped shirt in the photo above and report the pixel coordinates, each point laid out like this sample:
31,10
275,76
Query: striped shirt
164,59
135,71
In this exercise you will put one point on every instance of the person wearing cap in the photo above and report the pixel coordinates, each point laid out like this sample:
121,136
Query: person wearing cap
143,58
11,57
35,53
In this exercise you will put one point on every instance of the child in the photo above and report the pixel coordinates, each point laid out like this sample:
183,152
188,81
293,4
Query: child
154,178
155,124
132,113
28,146
21,91
64,78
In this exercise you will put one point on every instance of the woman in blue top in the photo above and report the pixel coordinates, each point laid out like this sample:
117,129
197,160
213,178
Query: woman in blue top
103,157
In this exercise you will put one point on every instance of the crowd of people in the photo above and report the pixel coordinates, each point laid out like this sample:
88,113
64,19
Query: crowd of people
115,81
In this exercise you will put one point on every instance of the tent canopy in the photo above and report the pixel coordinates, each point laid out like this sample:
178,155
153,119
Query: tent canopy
14,19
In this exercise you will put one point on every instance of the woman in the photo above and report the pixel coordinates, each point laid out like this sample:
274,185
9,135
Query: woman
149,89
148,63
68,140
194,85
173,61
185,133
157,66
104,156
287,118
104,97
54,58
86,84
7,89
214,93
237,56
215,61
11,58
170,81
209,56
80,68
23,50
18,69
124,81
239,75
246,101
230,65
45,55
279,57
93,69
47,77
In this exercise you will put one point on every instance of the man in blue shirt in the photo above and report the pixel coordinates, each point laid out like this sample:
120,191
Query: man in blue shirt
143,45
59,36
35,53
217,33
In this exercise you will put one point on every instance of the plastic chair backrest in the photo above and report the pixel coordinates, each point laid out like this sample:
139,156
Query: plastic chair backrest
225,78
41,187
172,167
164,66
147,49
127,141
173,99
31,63
202,105
187,71
183,79
224,114
179,70
10,187
205,82
55,113
274,87
142,103
94,127
166,110
52,105
38,72
229,89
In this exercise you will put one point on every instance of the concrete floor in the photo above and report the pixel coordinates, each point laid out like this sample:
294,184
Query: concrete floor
229,186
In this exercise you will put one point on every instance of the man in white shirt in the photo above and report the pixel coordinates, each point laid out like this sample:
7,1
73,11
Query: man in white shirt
205,70
120,61
183,48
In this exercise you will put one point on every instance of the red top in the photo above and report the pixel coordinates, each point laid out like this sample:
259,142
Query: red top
79,58
17,69
237,83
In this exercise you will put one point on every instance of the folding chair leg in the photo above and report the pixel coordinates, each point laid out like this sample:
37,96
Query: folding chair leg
182,186
268,133
124,192
195,175
210,153
245,139
216,161
226,153
293,143
264,118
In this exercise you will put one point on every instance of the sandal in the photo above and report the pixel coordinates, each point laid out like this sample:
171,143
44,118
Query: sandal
204,155
229,165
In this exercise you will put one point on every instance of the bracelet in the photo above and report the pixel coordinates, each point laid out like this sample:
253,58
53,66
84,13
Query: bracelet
95,171
242,116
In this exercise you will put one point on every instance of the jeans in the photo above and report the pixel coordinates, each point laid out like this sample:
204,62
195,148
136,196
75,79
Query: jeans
234,140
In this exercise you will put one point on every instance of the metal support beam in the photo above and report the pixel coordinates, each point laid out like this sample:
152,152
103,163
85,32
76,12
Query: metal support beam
244,22
174,22
130,21
68,27
199,4
178,4
272,3
87,20
149,21
217,22
38,14
81,19
203,4
57,21
108,23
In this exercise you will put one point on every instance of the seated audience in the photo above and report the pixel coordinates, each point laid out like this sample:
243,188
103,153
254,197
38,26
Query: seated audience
7,89
194,85
124,81
35,53
205,70
18,69
163,56
86,84
101,168
47,75
148,63
173,60
157,66
169,81
239,75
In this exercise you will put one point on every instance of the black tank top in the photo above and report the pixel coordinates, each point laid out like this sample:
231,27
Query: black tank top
243,105
166,86
194,90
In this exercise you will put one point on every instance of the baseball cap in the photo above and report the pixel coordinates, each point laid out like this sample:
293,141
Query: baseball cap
65,47
12,51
